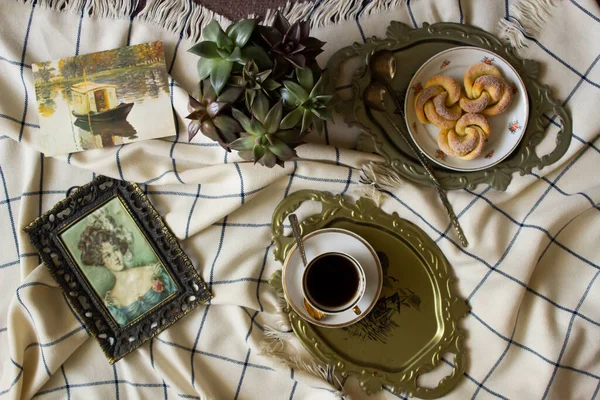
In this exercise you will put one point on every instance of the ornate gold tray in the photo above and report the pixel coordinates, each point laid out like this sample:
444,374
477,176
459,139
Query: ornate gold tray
412,47
415,320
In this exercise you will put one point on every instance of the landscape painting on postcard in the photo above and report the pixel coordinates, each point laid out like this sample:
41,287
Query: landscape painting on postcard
103,99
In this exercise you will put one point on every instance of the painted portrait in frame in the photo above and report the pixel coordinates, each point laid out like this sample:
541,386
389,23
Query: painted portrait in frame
118,262
119,265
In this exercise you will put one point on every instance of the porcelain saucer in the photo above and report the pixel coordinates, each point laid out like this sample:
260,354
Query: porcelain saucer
325,241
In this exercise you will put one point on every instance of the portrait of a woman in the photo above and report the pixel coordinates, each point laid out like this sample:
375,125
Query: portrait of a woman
104,243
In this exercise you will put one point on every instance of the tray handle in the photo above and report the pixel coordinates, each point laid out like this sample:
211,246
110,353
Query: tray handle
563,137
330,205
447,383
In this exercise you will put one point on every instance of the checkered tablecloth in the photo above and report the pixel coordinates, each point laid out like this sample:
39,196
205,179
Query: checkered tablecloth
530,273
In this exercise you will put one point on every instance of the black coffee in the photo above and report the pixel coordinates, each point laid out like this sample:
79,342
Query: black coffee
332,280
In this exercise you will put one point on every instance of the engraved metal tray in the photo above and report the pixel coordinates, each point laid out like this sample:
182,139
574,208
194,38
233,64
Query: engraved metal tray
412,47
415,320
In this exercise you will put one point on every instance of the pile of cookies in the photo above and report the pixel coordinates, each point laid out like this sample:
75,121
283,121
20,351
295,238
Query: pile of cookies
443,101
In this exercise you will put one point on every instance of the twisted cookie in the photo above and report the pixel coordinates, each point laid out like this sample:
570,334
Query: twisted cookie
489,94
438,102
475,71
467,139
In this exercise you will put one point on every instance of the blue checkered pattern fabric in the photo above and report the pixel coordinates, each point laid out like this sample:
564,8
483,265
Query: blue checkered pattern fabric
530,273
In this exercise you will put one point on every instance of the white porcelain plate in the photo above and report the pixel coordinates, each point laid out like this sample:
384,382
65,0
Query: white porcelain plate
325,241
507,129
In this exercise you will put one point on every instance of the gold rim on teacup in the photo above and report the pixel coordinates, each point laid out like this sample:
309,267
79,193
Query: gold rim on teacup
356,297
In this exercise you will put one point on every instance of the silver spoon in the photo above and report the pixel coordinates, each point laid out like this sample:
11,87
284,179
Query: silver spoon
383,64
313,312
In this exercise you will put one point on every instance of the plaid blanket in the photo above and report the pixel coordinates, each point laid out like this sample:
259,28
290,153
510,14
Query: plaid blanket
530,273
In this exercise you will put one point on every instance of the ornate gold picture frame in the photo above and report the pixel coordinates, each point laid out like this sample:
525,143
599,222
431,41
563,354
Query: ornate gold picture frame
119,265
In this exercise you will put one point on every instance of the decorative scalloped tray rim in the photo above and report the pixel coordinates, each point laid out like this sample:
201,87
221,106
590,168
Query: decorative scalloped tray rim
365,211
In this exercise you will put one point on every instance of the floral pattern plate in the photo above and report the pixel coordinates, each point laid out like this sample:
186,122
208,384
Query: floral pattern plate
507,129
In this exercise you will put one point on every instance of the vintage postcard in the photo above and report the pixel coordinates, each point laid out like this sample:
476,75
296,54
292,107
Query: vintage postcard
103,99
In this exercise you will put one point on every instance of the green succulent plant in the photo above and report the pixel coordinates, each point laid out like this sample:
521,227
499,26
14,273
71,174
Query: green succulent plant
208,114
308,100
268,138
221,50
254,82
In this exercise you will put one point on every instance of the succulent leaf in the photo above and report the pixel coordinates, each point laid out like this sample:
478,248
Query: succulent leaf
241,118
236,81
220,73
322,113
257,54
306,120
318,89
256,128
324,98
280,23
231,95
246,155
227,125
192,103
289,136
235,56
262,76
288,98
258,152
292,119
243,143
205,49
269,159
305,78
250,96
241,31
296,90
224,42
193,128
281,150
271,84
215,108
205,67
318,123
260,107
273,118
210,130
212,31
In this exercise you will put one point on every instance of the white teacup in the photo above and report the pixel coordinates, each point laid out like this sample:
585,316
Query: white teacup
363,261
333,283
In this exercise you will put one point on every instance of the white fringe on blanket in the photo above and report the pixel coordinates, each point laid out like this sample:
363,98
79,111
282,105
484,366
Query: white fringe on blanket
527,17
282,346
376,177
180,16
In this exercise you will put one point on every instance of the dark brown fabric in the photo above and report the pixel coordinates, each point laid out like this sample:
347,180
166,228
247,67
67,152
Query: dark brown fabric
239,9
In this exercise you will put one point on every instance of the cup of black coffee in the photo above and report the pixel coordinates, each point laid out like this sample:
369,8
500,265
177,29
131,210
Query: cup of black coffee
333,283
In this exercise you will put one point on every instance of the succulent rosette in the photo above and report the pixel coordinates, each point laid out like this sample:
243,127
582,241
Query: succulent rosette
208,114
290,45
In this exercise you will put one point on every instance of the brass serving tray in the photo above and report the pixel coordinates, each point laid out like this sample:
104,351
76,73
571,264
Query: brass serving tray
414,321
412,47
